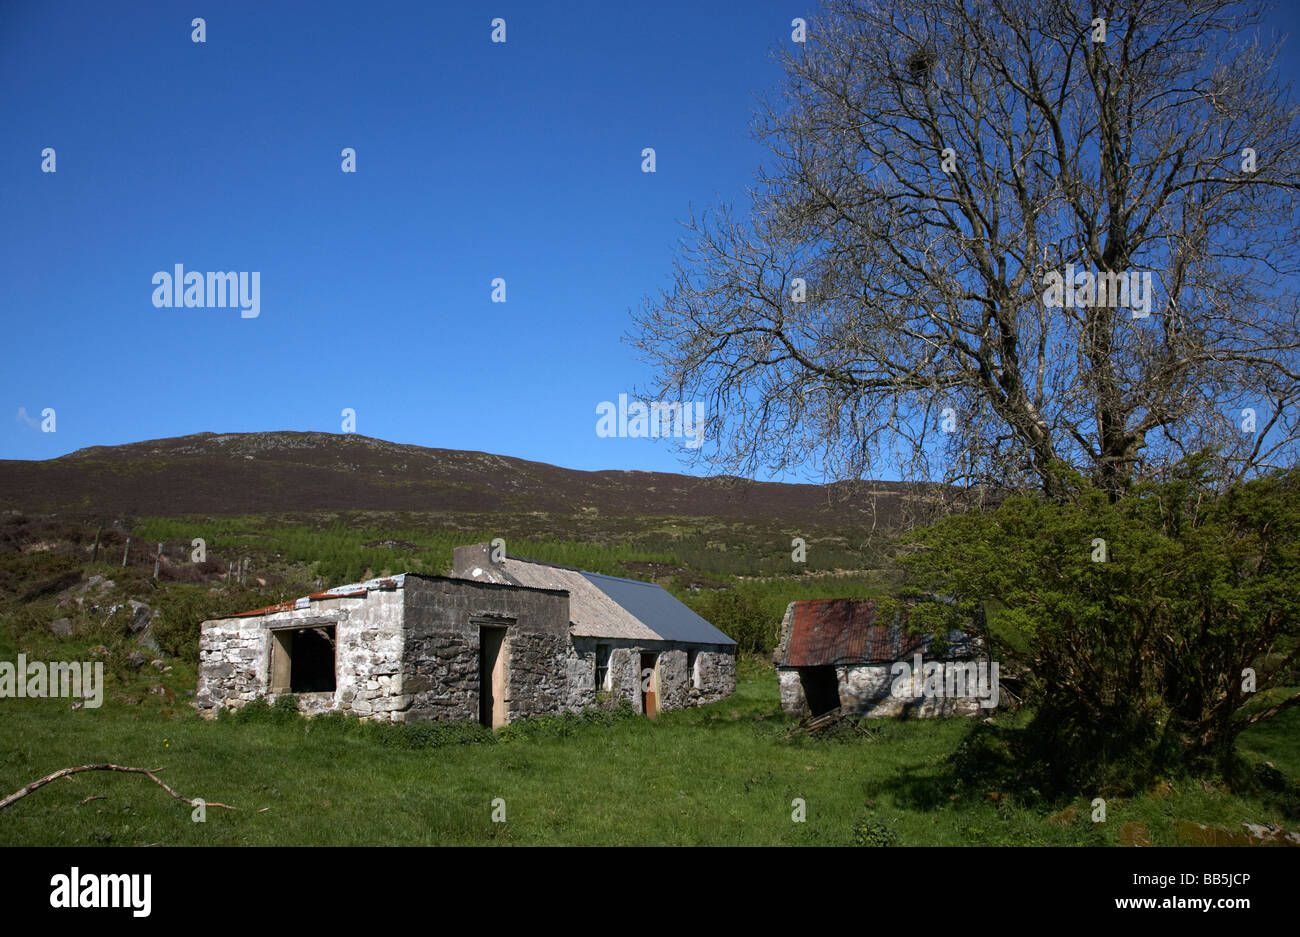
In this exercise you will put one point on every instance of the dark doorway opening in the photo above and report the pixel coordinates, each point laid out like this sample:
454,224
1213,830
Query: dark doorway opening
491,677
650,684
821,687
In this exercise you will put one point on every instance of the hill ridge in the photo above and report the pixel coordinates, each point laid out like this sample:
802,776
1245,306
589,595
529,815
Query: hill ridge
305,470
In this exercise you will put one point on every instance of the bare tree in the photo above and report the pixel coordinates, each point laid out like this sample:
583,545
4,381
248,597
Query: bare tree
938,168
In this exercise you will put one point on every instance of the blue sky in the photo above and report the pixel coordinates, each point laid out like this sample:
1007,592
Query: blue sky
475,160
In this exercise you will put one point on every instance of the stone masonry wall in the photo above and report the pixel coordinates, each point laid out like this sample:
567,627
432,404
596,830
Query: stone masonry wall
865,690
235,657
413,653
233,660
441,661
715,665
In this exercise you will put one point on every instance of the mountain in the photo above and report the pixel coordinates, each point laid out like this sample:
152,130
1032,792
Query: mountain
256,473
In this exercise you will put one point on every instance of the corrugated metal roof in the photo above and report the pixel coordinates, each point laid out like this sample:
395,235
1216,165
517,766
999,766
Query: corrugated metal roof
845,631
603,606
669,618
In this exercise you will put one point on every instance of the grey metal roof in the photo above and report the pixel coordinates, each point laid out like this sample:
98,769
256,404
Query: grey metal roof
600,606
654,606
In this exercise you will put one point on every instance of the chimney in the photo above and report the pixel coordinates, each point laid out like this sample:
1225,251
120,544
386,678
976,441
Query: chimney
477,556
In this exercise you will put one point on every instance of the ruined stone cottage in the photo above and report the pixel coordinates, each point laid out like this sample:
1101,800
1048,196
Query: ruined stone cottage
840,654
493,642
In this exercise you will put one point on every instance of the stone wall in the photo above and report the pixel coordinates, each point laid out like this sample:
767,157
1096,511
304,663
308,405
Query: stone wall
792,697
235,656
716,670
412,653
443,617
233,662
715,666
865,690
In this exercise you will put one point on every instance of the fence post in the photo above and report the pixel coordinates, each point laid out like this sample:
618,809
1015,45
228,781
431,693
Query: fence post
94,557
126,552
157,560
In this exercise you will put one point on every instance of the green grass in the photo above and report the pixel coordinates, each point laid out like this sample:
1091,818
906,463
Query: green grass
724,774
719,775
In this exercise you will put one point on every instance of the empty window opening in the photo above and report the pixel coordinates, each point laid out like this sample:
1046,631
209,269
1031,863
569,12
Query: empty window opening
821,687
303,660
602,667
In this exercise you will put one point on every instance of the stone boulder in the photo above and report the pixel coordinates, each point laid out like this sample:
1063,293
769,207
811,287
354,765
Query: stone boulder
141,616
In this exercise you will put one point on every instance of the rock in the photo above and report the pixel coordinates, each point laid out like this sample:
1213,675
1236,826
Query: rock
141,616
98,584
146,640
1198,834
61,626
1268,833
1066,816
1270,777
135,660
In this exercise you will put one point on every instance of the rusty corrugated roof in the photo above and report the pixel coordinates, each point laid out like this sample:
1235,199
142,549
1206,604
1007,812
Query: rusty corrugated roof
351,590
842,631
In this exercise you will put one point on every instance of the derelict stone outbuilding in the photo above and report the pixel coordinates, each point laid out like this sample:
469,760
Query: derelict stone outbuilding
837,653
493,642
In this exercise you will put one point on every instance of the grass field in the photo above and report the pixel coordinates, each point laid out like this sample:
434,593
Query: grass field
723,774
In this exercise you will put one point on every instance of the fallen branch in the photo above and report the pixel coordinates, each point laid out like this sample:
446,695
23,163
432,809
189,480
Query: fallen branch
68,772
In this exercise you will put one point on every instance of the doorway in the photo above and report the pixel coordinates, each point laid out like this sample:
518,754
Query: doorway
492,655
650,684
821,687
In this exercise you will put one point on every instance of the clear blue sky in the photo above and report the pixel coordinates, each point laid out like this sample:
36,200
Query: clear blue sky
476,160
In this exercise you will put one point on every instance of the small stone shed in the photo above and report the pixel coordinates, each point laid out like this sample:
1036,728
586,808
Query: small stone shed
838,653
493,642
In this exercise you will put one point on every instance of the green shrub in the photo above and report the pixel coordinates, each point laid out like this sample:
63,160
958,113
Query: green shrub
1133,662
872,831
259,712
